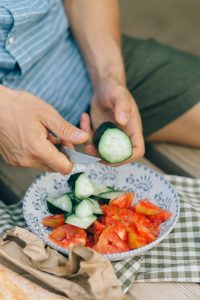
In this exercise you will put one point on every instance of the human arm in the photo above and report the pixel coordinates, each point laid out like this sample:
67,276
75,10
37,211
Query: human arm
96,27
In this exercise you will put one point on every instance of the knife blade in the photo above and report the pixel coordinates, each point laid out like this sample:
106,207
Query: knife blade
78,157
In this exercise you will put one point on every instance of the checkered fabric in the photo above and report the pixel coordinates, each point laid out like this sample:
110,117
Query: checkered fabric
175,259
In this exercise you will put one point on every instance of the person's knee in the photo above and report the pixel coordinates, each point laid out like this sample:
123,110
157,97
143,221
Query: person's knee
184,130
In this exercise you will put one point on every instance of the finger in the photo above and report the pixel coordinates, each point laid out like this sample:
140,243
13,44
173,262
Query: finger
54,159
63,129
69,145
122,109
91,150
53,139
137,140
85,125
35,164
41,167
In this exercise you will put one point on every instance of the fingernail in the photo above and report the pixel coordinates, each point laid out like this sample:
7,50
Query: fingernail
79,134
123,116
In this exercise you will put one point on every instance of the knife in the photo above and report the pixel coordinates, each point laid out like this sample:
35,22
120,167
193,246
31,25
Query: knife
78,157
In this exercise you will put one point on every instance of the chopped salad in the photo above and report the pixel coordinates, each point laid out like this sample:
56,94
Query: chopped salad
102,218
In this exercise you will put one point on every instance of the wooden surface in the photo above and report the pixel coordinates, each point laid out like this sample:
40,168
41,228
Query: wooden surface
175,159
165,291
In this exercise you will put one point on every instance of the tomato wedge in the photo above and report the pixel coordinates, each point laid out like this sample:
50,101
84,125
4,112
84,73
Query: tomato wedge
134,238
113,240
158,219
98,227
124,201
53,221
147,208
68,235
145,233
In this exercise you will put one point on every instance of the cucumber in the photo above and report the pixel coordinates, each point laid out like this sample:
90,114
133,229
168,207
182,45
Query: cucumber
113,145
80,222
59,205
111,195
99,189
84,209
81,185
96,207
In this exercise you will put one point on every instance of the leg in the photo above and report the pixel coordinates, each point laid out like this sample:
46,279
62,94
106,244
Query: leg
184,130
165,83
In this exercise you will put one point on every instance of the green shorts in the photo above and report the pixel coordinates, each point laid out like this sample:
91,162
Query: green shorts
165,82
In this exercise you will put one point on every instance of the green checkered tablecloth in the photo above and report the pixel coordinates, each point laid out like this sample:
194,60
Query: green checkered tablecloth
175,259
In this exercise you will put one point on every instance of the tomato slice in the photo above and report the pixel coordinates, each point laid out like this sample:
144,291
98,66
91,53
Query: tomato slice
98,227
124,201
111,214
53,221
68,235
160,218
147,208
145,233
113,239
134,239
90,242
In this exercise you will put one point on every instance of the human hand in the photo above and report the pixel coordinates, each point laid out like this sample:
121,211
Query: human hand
25,140
113,102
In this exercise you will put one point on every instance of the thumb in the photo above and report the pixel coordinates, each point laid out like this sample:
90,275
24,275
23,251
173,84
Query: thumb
63,129
122,110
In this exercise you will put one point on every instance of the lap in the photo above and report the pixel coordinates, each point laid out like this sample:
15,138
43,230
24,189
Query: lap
164,81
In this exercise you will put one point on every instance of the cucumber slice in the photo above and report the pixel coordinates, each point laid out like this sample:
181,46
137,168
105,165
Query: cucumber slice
113,145
84,209
96,207
80,222
111,195
59,205
81,185
99,189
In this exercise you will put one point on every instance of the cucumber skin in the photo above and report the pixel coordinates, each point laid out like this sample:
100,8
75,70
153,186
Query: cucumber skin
53,209
100,131
72,179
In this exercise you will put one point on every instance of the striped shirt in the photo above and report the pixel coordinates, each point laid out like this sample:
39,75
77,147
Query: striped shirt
38,54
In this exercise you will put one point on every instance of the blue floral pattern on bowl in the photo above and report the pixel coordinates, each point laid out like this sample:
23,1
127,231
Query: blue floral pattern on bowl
132,177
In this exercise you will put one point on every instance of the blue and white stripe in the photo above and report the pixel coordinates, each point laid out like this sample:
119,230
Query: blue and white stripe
38,54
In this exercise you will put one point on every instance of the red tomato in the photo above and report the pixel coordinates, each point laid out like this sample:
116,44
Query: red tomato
53,221
110,210
145,233
158,219
68,235
113,240
111,214
134,239
128,216
98,227
155,229
124,201
90,241
137,218
147,208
